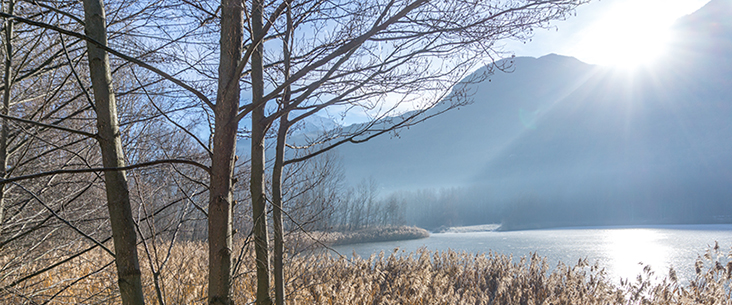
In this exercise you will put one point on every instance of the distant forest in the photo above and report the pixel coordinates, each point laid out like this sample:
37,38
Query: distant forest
364,204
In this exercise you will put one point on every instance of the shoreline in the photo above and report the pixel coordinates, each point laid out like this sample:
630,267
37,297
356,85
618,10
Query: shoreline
685,226
361,236
497,227
491,227
378,234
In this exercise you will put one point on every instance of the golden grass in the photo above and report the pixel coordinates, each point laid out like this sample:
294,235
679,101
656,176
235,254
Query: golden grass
366,235
378,234
423,277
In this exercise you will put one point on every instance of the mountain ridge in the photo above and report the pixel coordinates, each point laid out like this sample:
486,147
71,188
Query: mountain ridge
650,145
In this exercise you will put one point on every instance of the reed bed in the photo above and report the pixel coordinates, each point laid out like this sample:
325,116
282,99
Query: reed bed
366,235
423,277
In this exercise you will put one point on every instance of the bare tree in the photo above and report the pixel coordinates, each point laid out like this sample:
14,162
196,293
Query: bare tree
376,56
118,197
43,122
7,82
48,127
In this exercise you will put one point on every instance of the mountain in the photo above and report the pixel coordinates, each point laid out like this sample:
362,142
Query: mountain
450,148
563,142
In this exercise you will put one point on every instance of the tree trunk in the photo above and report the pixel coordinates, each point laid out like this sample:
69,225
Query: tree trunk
4,132
220,214
118,199
259,206
279,244
259,129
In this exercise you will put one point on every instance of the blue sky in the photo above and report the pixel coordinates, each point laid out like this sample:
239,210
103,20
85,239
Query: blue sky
617,33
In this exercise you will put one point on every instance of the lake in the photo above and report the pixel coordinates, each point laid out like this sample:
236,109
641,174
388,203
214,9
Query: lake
622,251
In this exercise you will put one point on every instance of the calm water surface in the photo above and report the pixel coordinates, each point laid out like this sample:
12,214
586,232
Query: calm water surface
622,251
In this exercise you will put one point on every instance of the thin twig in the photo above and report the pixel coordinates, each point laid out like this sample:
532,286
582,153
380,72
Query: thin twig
79,132
105,169
114,52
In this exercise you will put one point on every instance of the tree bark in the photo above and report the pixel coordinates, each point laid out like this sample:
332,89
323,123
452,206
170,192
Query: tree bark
279,244
259,205
257,189
220,217
118,199
5,131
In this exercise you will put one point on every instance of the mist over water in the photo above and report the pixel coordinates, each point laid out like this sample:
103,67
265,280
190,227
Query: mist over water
558,142
622,251
561,143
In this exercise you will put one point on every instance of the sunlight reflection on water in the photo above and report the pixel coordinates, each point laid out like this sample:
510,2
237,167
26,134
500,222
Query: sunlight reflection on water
629,250
621,251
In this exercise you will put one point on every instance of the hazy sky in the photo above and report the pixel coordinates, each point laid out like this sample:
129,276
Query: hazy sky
611,32
625,33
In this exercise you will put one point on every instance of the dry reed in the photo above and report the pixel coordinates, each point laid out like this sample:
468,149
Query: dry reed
423,277
367,235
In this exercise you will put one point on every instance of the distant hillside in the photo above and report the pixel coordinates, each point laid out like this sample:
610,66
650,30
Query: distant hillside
451,148
579,144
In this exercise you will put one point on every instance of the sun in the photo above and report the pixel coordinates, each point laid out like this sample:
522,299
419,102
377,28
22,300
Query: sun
630,34
627,44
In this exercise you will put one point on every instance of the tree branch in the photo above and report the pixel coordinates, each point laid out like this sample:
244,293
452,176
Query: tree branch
114,52
79,132
87,236
102,169
210,153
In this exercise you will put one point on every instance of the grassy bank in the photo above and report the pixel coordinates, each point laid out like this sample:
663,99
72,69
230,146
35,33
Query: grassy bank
377,234
423,277
469,229
303,241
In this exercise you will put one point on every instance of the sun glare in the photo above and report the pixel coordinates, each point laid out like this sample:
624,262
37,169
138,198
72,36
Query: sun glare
631,33
629,250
